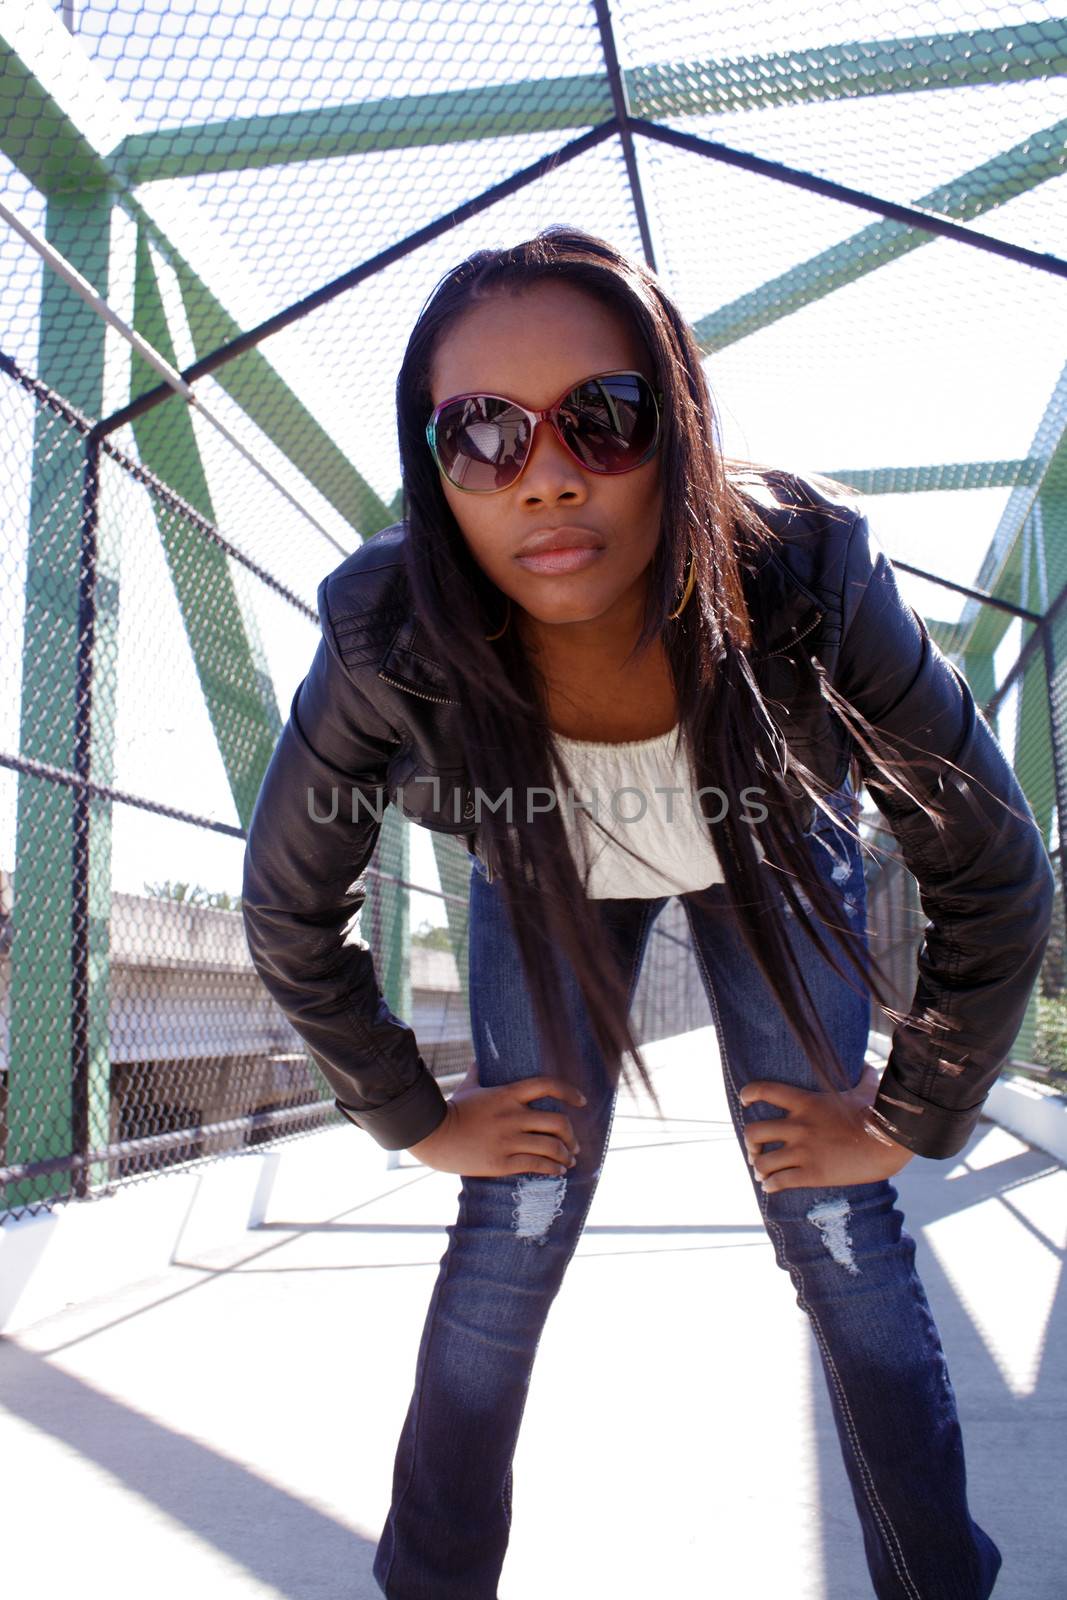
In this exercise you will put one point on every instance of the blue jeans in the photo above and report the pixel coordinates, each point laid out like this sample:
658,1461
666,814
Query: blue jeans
844,1247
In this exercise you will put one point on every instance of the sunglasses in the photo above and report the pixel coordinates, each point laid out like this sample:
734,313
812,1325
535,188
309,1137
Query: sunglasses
609,423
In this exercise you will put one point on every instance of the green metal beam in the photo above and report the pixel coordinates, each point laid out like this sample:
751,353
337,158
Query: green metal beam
267,400
228,654
43,967
1002,569
44,115
946,635
851,70
860,68
407,122
979,671
1033,161
1032,756
948,477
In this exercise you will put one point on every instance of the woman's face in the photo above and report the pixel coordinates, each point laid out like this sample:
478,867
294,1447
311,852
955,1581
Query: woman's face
531,346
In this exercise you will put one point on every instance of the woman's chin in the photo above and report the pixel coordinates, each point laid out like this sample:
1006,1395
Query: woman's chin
565,601
562,614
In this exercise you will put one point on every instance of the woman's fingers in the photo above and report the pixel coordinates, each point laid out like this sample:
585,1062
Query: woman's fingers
777,1161
525,1140
526,1089
527,1163
552,1122
543,1144
526,1121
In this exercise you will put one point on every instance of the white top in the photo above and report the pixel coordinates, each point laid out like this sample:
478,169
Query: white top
643,793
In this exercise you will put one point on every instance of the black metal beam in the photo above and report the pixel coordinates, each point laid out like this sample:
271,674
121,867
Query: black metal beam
620,100
913,216
974,594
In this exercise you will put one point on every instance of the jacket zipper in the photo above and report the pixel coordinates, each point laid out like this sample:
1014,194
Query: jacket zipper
440,699
814,623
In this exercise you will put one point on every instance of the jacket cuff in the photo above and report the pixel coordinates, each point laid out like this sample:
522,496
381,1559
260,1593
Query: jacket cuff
921,1125
404,1120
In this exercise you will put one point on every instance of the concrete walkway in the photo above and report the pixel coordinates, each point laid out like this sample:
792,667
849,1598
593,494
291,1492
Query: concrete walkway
228,1428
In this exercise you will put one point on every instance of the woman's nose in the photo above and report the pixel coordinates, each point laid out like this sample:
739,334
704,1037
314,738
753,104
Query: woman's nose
551,472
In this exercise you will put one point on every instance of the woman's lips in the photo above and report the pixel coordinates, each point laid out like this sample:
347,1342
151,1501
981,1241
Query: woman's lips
572,559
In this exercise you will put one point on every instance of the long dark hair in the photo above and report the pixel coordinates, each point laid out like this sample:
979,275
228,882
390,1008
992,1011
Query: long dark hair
504,723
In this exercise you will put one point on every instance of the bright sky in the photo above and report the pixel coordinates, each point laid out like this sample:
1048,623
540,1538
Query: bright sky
943,356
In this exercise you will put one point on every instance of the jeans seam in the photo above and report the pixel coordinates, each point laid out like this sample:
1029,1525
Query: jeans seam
879,1512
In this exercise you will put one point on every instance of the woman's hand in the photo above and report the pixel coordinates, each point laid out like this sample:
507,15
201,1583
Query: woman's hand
824,1140
492,1132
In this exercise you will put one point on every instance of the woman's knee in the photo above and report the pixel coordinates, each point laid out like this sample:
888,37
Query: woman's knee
849,1231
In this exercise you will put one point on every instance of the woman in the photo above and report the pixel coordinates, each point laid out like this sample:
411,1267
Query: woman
704,628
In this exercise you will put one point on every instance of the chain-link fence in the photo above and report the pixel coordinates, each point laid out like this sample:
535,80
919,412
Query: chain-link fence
220,220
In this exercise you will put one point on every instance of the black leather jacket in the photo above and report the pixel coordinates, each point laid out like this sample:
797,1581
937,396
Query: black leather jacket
373,722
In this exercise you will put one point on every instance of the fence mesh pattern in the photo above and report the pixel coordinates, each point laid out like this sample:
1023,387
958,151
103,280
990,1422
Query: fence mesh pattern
863,213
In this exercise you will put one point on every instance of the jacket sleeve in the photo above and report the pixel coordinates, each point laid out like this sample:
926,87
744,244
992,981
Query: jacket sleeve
314,827
985,880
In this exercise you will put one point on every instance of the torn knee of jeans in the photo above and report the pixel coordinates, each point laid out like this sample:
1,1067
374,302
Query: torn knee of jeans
538,1202
831,1219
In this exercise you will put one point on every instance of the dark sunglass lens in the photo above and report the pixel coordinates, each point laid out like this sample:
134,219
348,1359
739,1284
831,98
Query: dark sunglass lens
481,443
610,423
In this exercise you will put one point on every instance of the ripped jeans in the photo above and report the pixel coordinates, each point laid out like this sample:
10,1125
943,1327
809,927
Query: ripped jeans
845,1249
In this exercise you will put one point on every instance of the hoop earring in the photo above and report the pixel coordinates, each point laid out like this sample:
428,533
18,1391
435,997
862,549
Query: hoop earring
691,580
507,619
